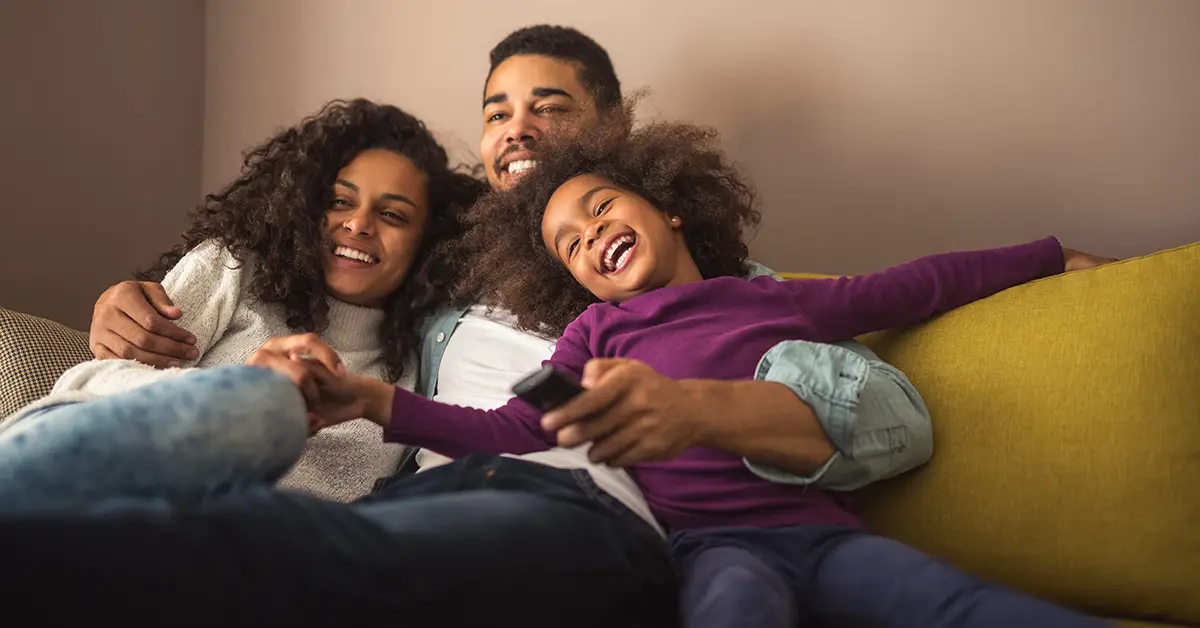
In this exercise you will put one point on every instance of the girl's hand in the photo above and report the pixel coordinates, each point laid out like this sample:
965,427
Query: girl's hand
341,398
1078,260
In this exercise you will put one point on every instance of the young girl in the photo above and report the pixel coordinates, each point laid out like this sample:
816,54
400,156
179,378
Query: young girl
639,257
328,230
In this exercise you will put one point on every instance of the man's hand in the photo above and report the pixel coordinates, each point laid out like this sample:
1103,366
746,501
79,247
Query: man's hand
130,321
1078,260
629,412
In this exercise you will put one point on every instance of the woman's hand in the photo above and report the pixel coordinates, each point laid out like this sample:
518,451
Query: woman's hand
1078,260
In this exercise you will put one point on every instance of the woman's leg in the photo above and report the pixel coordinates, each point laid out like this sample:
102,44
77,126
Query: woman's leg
183,439
870,581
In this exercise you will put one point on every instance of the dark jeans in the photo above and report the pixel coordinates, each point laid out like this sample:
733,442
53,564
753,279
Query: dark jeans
483,541
839,576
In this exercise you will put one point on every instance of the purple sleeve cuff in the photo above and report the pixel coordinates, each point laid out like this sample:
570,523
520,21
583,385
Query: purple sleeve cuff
1049,253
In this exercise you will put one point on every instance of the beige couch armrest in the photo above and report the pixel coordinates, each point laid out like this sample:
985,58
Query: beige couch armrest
34,352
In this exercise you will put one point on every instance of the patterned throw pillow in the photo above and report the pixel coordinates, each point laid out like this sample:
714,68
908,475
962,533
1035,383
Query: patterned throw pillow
34,352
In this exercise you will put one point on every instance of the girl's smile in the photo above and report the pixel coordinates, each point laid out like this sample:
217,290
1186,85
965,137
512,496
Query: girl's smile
615,243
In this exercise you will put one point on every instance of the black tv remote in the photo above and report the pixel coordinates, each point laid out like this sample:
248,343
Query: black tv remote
547,389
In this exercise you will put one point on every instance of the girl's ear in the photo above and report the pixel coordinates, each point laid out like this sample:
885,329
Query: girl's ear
675,221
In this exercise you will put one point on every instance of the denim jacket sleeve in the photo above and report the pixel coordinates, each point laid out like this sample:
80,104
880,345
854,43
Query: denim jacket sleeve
872,413
435,335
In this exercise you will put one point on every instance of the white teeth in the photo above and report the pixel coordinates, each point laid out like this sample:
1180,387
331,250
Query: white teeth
613,265
623,259
354,254
521,165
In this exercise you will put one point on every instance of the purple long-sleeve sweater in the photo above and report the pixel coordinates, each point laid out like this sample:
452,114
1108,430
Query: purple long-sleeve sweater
720,329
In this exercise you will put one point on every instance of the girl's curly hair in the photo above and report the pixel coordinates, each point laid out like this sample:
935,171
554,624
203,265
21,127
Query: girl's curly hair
679,168
273,217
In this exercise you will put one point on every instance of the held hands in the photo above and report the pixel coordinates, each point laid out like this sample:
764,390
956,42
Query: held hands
629,412
331,394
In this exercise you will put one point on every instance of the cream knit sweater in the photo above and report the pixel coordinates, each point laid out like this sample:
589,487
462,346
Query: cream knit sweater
211,288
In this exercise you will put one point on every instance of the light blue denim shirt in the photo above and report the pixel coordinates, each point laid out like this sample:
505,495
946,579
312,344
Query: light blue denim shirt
871,412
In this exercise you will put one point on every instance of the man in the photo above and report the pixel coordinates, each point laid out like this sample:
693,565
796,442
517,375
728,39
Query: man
841,419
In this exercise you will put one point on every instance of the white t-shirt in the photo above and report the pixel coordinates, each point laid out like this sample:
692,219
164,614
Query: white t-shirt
484,358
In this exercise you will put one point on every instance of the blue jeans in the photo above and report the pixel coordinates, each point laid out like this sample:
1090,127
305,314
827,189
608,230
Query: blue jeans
840,576
134,518
204,433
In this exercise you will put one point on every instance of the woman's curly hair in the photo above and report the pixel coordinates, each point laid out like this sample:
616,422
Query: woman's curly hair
273,217
679,168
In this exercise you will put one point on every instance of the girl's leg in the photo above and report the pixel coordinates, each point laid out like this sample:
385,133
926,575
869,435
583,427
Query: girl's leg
734,577
870,581
730,587
183,439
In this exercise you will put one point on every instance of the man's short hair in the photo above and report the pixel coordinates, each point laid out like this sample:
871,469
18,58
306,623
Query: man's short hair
561,42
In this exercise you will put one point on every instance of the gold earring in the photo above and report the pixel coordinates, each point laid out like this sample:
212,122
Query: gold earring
674,220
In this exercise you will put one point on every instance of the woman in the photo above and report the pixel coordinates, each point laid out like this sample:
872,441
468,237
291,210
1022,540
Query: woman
328,230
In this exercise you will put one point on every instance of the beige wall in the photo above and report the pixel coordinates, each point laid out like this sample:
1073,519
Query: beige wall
876,130
100,122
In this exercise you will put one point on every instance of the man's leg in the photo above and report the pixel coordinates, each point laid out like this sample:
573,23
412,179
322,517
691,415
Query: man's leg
503,555
867,580
183,439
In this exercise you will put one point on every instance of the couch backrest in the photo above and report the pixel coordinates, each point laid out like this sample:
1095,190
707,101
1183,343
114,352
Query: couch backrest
34,352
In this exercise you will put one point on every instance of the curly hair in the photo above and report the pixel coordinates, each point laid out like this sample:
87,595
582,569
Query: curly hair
679,168
273,217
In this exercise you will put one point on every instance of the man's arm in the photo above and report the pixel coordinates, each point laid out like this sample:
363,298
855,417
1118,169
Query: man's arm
207,284
867,408
773,425
845,423
132,321
631,413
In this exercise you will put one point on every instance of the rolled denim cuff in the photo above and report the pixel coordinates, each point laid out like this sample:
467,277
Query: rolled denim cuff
870,411
829,379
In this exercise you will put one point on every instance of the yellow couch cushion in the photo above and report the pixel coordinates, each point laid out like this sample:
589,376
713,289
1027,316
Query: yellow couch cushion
1067,438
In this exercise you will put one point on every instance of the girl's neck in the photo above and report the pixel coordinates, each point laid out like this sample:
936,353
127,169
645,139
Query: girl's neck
685,272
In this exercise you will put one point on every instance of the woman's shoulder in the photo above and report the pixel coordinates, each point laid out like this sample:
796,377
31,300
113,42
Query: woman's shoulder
214,255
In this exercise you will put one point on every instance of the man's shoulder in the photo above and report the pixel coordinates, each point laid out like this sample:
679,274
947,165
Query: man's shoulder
496,322
758,270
